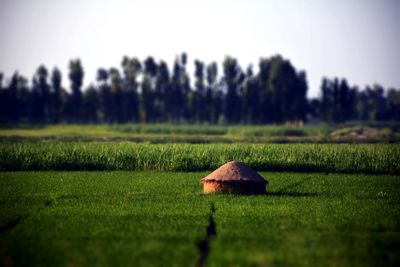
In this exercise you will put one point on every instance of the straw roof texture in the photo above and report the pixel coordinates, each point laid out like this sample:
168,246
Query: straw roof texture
234,171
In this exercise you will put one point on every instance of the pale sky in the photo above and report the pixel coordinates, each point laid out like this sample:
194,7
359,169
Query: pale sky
355,39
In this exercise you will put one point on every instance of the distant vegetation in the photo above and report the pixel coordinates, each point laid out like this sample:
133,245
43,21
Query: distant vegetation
185,133
151,92
380,158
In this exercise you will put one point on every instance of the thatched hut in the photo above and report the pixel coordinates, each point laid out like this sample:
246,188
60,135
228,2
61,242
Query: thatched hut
234,177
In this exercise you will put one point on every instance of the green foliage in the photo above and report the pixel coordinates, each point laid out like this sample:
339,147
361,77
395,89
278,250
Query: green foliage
190,157
159,97
338,100
341,103
233,80
393,100
147,92
57,97
158,218
75,100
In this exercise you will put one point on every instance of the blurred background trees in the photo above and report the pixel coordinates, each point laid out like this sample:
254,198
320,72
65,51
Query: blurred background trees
150,91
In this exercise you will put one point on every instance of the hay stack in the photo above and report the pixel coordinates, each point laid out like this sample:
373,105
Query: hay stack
234,177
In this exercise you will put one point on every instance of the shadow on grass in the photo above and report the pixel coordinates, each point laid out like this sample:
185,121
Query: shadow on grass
286,190
9,225
14,222
292,194
293,185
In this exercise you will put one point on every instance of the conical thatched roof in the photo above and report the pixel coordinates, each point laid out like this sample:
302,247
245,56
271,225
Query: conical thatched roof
234,171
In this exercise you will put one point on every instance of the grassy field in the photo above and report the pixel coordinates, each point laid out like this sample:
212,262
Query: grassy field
167,133
159,219
360,158
129,195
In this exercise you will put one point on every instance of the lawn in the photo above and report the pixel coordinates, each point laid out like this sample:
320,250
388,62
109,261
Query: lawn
159,218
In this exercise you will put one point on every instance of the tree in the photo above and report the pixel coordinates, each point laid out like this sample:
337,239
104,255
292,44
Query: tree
233,79
338,100
175,96
362,106
347,99
265,94
23,99
163,89
41,96
3,100
282,86
371,104
326,101
250,98
298,95
90,105
76,75
105,102
184,87
210,105
376,103
131,69
393,104
148,110
199,110
117,96
14,99
57,101
180,87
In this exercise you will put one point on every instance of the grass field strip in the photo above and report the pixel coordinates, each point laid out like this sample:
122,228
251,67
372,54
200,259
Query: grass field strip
204,245
329,158
172,133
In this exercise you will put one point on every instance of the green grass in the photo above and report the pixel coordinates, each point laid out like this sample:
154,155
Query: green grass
165,133
361,158
157,219
125,130
312,220
81,219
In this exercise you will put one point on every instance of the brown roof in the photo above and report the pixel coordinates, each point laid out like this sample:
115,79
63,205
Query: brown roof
234,171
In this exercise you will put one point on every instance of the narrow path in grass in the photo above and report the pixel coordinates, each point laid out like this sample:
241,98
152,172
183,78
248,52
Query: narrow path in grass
204,245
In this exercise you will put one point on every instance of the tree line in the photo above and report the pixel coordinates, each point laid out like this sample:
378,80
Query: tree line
149,92
339,102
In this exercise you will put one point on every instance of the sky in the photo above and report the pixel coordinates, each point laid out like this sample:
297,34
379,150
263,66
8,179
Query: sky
355,39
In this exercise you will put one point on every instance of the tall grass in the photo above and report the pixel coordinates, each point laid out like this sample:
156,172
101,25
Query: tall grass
361,158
